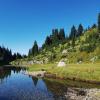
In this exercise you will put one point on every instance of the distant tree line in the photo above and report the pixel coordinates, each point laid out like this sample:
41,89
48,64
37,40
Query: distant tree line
6,55
58,36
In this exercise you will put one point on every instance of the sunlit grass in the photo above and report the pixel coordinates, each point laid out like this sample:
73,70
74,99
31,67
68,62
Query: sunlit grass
38,67
80,71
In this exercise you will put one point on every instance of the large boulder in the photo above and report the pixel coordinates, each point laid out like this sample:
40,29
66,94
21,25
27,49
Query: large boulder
61,64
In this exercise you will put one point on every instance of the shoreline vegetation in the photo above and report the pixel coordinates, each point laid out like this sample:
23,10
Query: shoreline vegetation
89,73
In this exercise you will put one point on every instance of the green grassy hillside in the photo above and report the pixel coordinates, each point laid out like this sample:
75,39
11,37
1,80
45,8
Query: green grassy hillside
86,49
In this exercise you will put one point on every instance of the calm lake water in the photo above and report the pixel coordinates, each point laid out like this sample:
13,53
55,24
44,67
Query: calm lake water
14,85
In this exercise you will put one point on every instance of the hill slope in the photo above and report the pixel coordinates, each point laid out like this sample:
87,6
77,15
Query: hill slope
86,50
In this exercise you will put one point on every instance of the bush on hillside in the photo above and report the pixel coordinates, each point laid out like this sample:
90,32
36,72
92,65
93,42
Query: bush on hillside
89,48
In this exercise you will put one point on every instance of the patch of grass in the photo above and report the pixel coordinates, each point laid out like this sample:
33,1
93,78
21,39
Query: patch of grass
38,67
78,71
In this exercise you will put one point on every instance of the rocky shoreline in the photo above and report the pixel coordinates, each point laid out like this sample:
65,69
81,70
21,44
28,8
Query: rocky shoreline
73,93
36,73
83,94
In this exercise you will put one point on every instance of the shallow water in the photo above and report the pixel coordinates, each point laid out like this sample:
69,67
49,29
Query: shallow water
14,85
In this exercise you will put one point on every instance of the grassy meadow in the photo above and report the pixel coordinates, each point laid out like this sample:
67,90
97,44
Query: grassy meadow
79,71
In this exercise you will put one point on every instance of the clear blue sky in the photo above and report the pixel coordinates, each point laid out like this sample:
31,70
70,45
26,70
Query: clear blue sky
23,21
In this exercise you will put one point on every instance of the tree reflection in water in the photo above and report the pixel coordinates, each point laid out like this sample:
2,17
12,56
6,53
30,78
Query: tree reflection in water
5,72
24,87
58,89
35,80
55,89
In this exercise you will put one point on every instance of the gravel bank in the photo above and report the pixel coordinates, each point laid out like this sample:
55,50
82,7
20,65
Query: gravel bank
83,94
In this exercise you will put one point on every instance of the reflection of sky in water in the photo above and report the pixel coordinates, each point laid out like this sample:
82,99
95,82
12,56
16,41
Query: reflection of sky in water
21,87
16,86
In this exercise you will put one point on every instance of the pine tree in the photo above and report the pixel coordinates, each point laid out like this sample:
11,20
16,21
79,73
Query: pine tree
73,35
48,41
14,56
35,49
94,26
61,34
55,36
30,52
73,32
80,30
18,56
99,23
